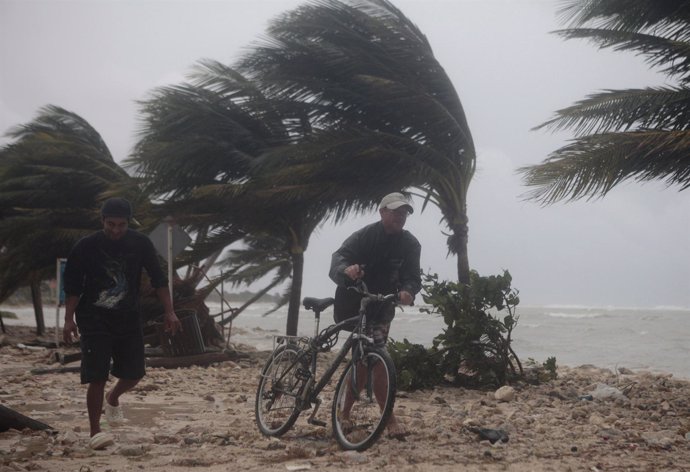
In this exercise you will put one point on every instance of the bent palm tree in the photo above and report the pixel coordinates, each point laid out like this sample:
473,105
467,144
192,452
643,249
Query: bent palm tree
384,114
637,134
53,177
199,150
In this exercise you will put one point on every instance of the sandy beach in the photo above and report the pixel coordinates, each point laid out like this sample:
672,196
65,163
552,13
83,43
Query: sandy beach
202,418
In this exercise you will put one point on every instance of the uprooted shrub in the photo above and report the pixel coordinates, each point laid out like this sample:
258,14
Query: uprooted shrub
475,347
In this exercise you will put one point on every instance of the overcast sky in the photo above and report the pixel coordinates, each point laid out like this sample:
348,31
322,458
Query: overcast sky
98,57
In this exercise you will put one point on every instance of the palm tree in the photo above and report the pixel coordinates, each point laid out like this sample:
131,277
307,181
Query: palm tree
200,149
53,176
383,113
636,134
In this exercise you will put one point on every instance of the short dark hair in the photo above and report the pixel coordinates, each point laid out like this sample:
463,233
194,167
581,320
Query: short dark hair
116,207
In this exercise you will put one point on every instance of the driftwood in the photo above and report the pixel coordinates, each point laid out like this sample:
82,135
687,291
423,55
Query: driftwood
10,419
166,362
67,358
55,370
39,343
204,359
76,356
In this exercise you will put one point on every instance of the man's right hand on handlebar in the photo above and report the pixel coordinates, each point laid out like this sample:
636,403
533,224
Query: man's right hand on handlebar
405,297
355,271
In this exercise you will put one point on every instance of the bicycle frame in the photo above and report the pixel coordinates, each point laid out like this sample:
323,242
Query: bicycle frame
309,348
308,395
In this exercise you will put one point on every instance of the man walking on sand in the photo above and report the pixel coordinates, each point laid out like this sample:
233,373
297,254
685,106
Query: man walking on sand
386,257
102,279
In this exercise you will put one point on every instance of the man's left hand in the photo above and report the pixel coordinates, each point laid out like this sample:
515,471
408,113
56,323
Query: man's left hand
172,323
405,298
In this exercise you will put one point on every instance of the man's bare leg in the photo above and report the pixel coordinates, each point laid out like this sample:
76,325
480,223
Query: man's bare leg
395,429
122,386
94,405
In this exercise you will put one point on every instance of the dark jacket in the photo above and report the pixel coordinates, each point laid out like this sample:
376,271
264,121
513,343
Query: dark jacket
391,265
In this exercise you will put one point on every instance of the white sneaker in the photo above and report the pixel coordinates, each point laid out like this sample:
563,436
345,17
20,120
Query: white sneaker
114,414
101,441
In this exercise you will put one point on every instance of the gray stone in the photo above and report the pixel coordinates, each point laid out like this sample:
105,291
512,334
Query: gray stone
505,394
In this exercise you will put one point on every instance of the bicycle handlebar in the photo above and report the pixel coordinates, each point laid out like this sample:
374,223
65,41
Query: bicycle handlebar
361,288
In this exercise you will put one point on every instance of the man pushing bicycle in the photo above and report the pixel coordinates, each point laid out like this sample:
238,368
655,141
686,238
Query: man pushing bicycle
386,257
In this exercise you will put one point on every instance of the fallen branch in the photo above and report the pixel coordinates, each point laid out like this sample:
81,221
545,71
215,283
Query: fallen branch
169,362
15,420
204,359
55,370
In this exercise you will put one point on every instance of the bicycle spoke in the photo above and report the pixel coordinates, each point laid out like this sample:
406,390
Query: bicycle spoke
276,397
358,420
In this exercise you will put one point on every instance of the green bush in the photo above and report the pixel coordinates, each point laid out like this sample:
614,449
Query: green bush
474,349
416,366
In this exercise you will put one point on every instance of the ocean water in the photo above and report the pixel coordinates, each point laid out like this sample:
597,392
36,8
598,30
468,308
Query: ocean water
654,339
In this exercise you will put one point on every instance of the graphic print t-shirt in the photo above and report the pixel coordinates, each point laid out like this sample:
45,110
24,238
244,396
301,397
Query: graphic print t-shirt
106,275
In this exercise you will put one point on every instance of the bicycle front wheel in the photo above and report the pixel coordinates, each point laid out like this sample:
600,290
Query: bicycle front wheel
364,399
276,406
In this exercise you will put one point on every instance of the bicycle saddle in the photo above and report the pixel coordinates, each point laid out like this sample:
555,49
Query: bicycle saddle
317,304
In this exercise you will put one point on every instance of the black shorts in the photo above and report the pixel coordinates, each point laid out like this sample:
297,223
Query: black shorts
379,318
125,351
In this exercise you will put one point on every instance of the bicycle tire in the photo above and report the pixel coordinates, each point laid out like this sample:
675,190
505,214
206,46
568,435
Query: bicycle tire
276,406
367,418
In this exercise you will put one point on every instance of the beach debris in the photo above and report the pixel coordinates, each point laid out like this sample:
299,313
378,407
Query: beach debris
15,420
133,451
30,348
663,439
67,358
578,413
68,438
505,394
204,359
492,435
606,392
354,457
295,467
56,370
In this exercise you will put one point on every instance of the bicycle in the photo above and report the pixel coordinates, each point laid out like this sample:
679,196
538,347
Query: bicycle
364,395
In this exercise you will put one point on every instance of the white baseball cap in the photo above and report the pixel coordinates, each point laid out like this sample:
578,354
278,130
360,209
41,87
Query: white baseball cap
396,200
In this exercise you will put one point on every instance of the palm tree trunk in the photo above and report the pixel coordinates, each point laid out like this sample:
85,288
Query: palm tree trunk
38,307
457,243
295,292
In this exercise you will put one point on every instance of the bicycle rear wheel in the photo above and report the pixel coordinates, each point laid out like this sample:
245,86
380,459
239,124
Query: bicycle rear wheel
276,408
364,399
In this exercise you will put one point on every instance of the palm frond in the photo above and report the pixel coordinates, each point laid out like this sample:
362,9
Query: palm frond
667,17
621,110
592,165
671,54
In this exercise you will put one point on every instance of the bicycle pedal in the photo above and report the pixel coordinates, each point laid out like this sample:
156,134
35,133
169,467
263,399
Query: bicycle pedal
317,422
